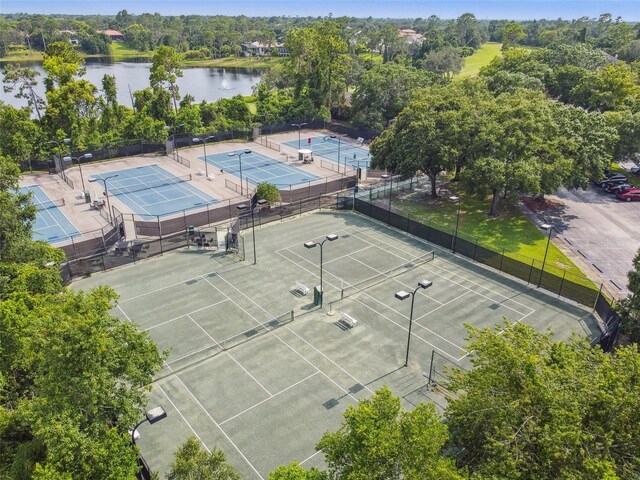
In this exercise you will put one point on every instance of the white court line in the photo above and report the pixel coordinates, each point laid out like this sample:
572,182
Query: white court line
216,423
310,457
369,307
271,396
293,349
183,418
458,275
169,286
394,279
184,314
502,330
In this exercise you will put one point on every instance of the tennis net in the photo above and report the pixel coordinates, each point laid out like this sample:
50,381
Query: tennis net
202,354
389,274
174,180
49,204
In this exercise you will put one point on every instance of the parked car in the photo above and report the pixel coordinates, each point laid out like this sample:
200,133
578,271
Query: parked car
623,187
613,182
630,195
616,176
635,170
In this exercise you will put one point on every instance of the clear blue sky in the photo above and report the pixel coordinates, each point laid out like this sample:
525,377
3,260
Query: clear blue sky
629,10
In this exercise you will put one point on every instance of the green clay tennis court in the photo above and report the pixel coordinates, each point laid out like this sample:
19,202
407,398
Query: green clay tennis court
257,370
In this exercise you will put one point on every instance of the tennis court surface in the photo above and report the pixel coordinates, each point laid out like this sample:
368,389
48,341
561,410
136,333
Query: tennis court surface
335,150
152,190
259,371
258,168
51,225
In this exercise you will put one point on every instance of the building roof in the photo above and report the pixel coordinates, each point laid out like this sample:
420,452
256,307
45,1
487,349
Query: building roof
112,33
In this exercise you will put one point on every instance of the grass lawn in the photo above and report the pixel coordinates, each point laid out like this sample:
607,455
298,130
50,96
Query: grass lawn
375,57
633,179
22,55
511,231
121,52
235,62
480,58
253,107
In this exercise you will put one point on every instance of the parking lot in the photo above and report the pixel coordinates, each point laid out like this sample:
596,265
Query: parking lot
599,229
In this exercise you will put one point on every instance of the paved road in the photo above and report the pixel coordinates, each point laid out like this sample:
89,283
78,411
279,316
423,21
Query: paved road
601,230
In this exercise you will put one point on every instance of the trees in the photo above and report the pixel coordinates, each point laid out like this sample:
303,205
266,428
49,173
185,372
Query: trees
164,72
629,307
268,192
533,408
446,61
384,91
194,462
379,440
25,80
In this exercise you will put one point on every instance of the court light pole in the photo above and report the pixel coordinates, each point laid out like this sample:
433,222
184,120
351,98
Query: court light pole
299,125
403,295
239,155
87,156
106,191
454,198
152,416
243,207
311,244
204,146
545,226
266,117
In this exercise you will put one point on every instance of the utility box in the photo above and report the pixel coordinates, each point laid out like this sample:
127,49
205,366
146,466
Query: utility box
87,196
317,296
191,230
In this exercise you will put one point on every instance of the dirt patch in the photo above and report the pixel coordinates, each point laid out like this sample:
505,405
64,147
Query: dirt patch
540,205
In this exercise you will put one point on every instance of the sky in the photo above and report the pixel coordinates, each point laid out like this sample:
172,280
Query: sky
629,10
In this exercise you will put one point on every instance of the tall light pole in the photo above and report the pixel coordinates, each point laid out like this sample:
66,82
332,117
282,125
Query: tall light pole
204,146
239,155
87,156
455,235
311,244
242,208
299,125
152,416
545,226
403,295
106,191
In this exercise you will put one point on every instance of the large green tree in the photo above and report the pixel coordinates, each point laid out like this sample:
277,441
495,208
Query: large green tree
378,440
165,71
192,462
533,408
629,307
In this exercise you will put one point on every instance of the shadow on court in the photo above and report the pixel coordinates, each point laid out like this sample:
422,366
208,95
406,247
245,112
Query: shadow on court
257,369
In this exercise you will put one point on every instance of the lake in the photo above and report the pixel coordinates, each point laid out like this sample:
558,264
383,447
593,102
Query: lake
203,83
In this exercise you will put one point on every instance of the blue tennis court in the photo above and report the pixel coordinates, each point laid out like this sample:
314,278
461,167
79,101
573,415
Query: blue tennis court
51,225
258,168
327,148
152,190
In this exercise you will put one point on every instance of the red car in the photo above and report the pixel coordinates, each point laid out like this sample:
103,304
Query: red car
630,195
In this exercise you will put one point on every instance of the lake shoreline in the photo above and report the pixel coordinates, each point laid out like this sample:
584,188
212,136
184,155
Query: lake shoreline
248,63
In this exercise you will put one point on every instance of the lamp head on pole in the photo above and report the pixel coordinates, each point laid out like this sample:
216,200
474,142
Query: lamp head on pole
242,206
425,283
402,295
86,155
247,151
331,237
262,201
155,415
546,226
454,198
310,244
